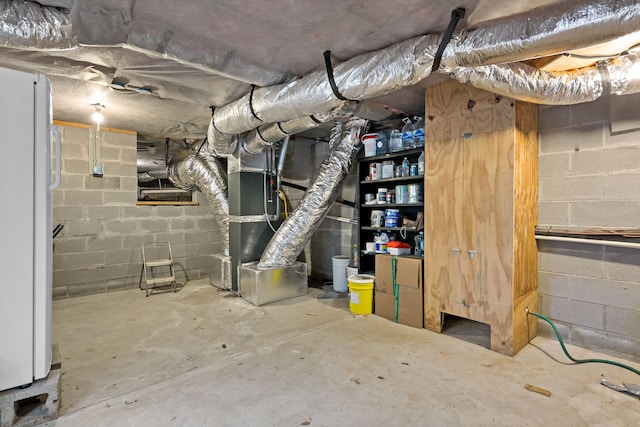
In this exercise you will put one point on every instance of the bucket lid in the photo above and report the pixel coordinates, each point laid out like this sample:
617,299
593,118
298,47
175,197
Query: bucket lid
361,278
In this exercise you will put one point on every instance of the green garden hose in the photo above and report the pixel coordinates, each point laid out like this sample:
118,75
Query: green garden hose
609,362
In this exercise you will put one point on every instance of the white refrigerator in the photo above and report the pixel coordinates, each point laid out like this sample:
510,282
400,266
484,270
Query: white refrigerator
29,172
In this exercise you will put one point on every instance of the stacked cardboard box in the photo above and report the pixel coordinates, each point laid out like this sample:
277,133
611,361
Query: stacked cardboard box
409,295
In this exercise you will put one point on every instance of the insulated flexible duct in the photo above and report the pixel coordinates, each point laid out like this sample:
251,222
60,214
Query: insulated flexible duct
285,246
28,25
206,173
264,136
526,83
544,31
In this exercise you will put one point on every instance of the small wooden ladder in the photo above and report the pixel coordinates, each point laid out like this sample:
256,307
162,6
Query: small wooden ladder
161,257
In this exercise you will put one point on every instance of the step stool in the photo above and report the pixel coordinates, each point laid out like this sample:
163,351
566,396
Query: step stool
36,404
157,267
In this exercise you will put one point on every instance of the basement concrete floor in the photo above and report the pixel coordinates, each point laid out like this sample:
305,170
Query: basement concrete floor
202,357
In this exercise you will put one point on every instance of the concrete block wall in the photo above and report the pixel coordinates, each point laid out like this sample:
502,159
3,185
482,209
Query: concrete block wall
333,237
589,177
99,249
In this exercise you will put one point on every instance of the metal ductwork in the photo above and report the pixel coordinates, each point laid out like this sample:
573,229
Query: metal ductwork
526,83
153,175
295,231
28,25
547,30
207,174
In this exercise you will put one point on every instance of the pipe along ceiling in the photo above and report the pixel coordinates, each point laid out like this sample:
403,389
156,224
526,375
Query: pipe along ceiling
487,56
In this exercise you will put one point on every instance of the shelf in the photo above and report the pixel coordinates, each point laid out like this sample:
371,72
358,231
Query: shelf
392,205
392,155
412,230
396,179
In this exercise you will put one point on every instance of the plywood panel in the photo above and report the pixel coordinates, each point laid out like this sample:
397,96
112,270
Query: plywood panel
443,211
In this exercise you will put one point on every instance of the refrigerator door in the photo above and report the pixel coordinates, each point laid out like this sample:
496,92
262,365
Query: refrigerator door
17,181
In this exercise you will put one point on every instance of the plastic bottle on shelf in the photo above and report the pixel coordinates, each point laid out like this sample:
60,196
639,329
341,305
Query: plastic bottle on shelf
405,167
419,240
421,164
407,134
395,141
418,132
355,256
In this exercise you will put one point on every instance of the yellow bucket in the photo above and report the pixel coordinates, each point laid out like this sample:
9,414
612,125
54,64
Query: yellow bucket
361,293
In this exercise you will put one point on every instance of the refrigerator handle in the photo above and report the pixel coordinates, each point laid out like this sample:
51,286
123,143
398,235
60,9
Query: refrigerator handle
53,128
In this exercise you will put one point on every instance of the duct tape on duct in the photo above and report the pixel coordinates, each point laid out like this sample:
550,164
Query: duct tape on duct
283,249
206,173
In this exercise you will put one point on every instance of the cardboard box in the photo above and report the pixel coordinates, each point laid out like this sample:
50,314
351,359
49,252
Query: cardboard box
410,281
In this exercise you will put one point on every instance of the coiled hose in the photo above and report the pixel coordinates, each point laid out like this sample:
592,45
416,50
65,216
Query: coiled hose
564,349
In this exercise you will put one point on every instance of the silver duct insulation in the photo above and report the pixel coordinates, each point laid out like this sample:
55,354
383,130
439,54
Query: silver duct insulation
221,144
526,83
266,135
28,25
154,175
207,174
296,230
365,76
544,31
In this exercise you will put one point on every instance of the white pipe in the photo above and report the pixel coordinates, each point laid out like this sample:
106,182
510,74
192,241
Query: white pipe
601,242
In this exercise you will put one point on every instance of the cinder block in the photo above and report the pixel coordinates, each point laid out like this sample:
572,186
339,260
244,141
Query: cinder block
119,139
58,261
108,183
135,240
35,405
128,184
119,198
606,292
207,248
624,138
77,197
571,258
182,224
623,322
80,151
154,225
206,224
196,237
604,213
83,260
58,198
172,237
553,213
169,211
85,288
606,160
550,284
138,211
590,112
62,213
122,256
119,168
73,134
552,117
623,264
622,186
82,228
124,227
571,188
74,166
59,292
606,342
102,243
68,277
102,212
574,312
184,250
545,330
65,244
72,182
198,261
111,153
572,139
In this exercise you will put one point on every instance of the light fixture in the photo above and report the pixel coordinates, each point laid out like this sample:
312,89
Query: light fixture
95,139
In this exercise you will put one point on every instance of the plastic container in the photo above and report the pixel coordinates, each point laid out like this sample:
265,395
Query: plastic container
369,141
391,217
382,143
361,293
382,196
406,167
355,258
421,164
415,193
419,248
339,264
395,141
418,132
407,134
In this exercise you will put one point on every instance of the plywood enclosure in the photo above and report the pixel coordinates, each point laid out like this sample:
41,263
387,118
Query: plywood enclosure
481,212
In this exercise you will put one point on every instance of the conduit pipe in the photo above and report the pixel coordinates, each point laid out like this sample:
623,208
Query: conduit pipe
290,239
205,172
601,242
527,83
